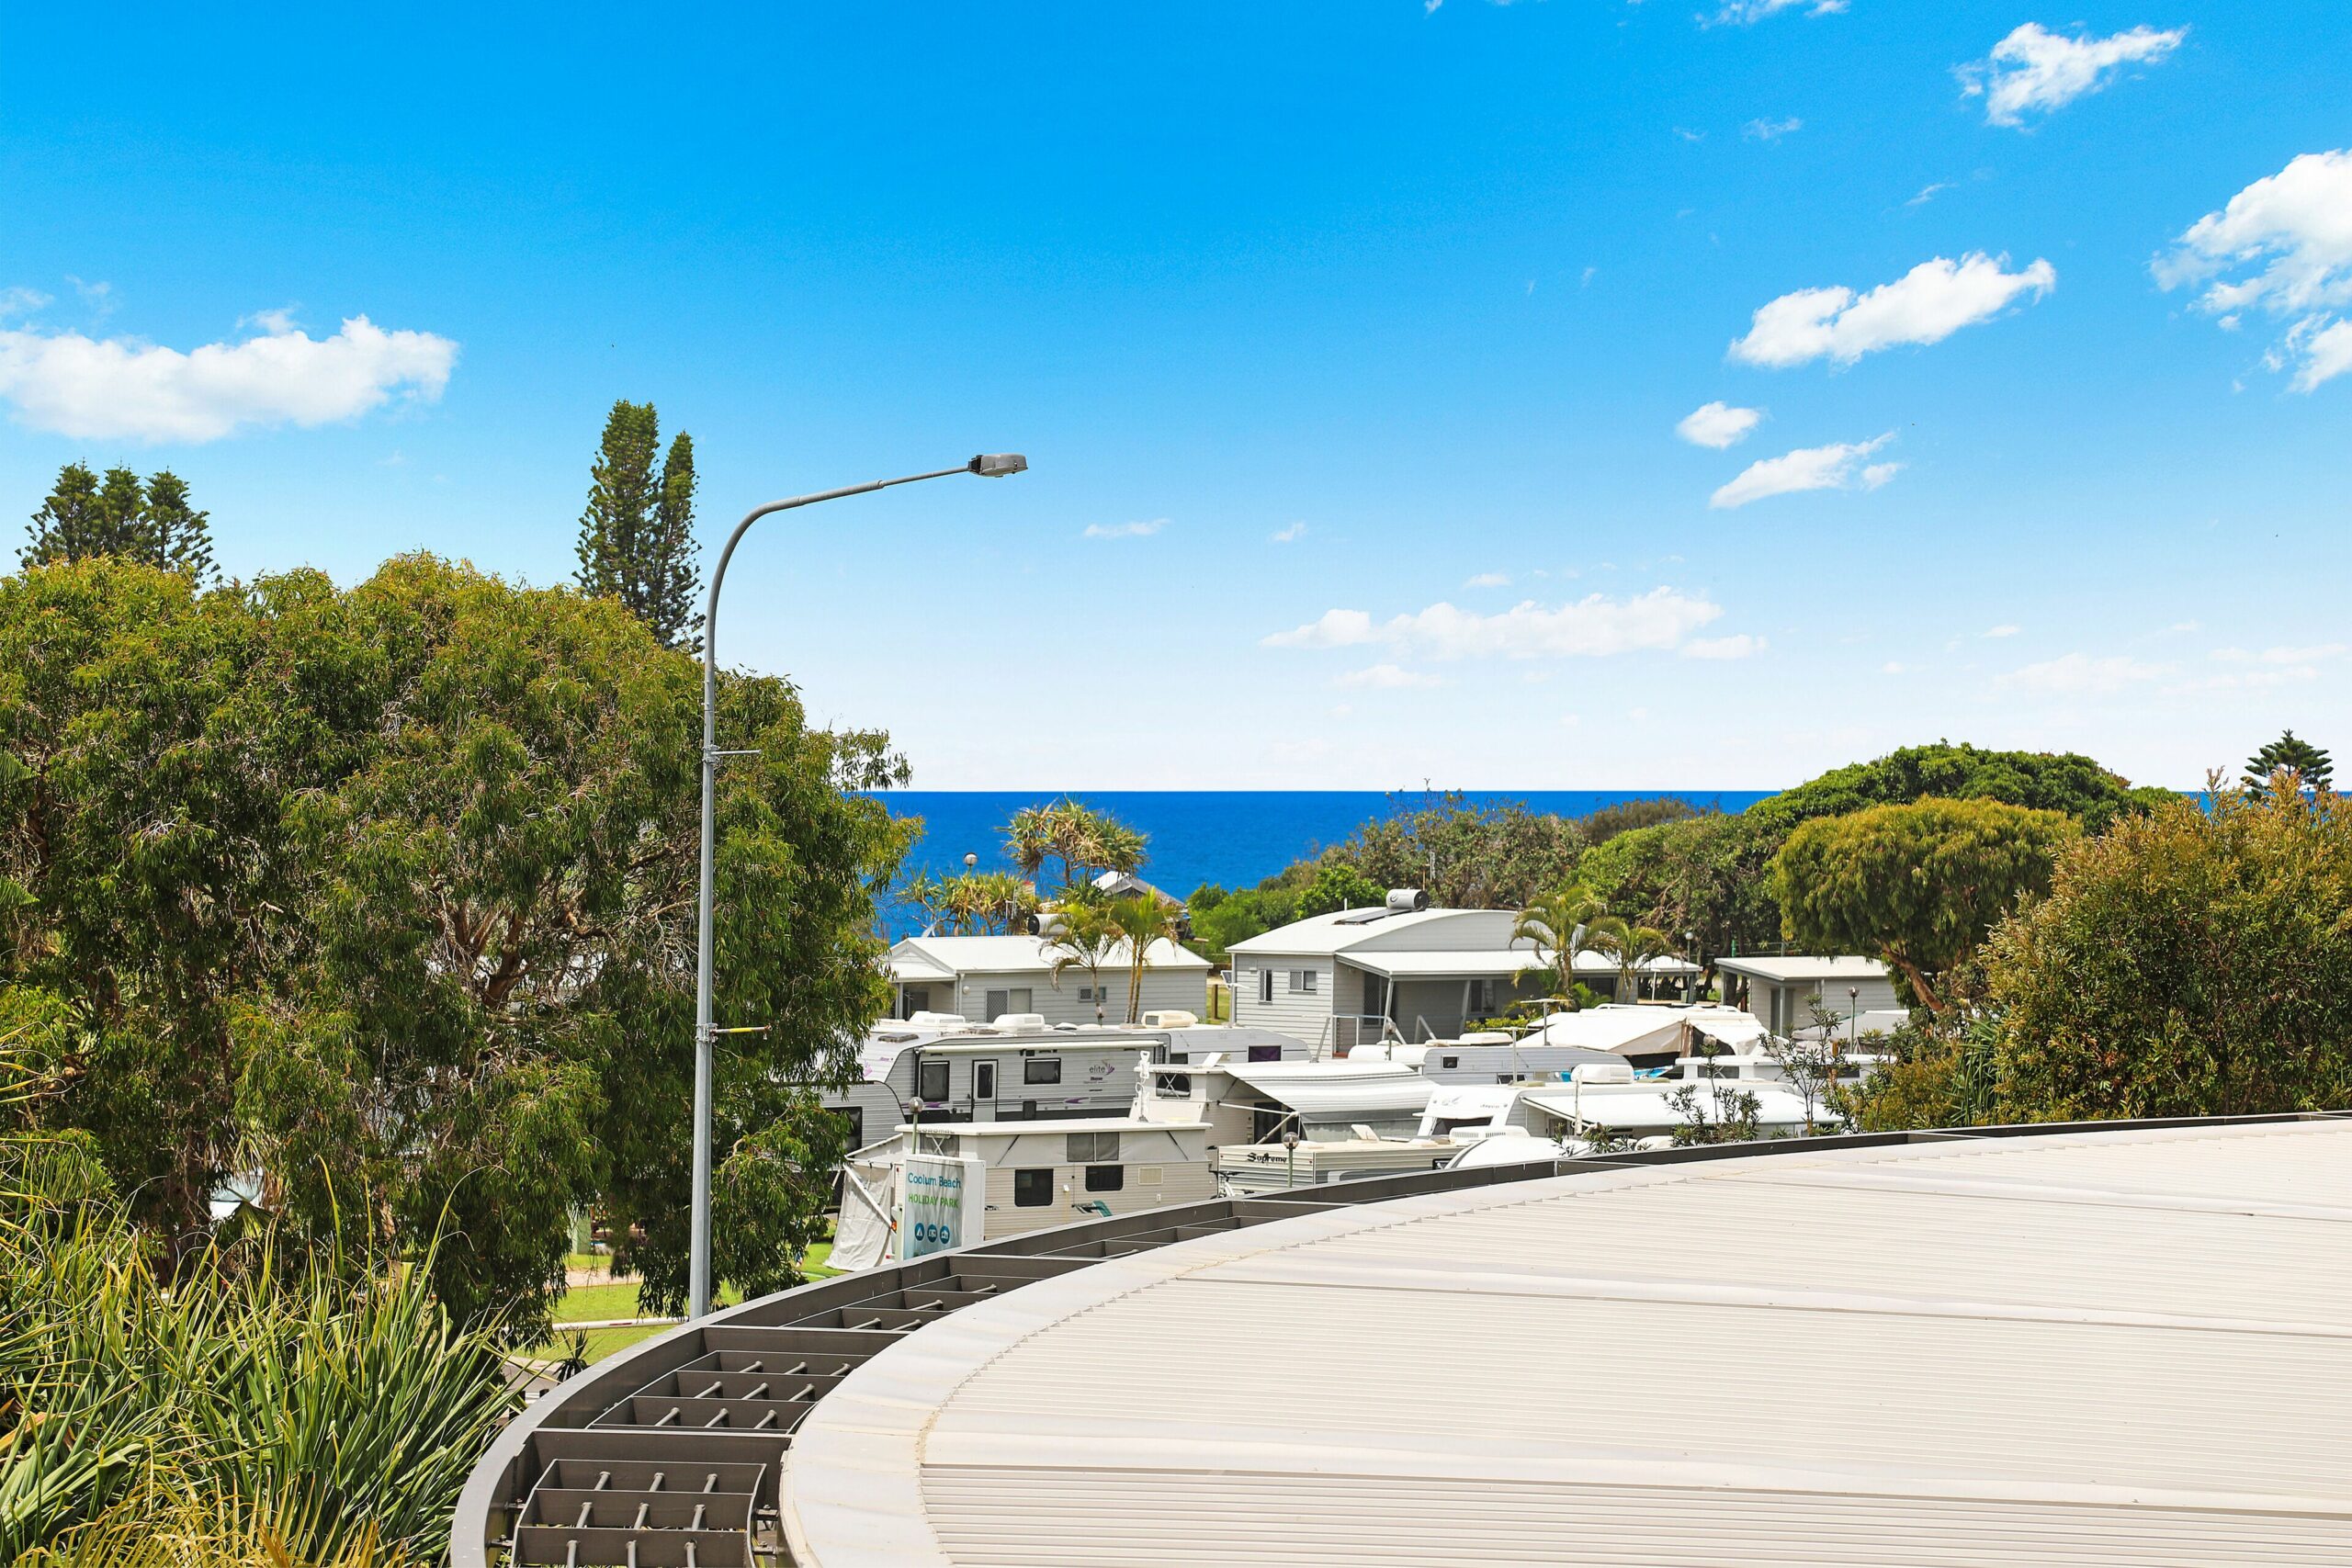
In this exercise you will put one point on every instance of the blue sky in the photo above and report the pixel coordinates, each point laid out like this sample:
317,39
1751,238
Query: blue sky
1349,343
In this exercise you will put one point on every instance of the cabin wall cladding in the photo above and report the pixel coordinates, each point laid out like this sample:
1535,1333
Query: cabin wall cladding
1300,1014
1162,989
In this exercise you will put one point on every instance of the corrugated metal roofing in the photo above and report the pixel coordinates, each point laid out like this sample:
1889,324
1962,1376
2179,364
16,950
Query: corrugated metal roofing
2084,1349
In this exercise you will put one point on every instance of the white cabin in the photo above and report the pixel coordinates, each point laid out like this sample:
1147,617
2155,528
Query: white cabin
1781,993
990,977
1403,972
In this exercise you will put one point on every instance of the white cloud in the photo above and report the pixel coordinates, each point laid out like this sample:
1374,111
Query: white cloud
125,387
2005,629
1893,667
2311,654
1594,627
1387,678
2035,70
1126,530
2287,238
1929,193
1836,467
1291,535
1770,130
98,297
1740,647
19,301
1490,579
1926,305
1689,135
1717,424
2079,675
1746,13
2326,348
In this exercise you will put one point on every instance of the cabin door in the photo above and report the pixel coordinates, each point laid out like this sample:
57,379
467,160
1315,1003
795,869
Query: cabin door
983,1092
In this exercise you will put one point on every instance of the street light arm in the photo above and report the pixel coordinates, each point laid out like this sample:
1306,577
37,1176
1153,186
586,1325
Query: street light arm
699,1265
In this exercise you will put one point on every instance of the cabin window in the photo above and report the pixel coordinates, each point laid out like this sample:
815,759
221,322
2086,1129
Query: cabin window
1265,985
1086,1148
1003,1002
1481,1002
1265,1053
1032,1189
930,1082
1105,1177
1302,981
1041,1069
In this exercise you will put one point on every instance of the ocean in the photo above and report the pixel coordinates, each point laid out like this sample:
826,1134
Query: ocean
1233,838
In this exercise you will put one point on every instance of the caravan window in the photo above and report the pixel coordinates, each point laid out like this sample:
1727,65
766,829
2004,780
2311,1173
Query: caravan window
1105,1177
930,1081
1085,1148
1042,1069
1265,1053
1032,1189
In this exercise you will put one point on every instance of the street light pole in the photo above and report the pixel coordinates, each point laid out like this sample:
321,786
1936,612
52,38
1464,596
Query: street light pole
988,465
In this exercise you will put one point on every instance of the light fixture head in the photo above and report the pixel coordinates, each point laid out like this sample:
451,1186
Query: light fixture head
997,465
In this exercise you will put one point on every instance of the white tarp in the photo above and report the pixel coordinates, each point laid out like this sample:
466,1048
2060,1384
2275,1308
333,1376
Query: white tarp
869,1213
1625,1031
1727,1026
1331,1091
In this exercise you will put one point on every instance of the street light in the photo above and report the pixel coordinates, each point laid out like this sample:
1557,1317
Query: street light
988,465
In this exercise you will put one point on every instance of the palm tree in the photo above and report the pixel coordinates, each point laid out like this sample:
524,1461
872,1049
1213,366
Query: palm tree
1140,920
1083,840
1553,923
1082,938
1629,946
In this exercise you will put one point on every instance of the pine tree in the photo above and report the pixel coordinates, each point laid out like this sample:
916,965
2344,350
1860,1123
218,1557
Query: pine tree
151,523
183,541
70,523
2315,767
676,582
637,535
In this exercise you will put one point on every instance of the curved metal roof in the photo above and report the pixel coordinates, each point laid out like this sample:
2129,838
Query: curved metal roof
2123,1344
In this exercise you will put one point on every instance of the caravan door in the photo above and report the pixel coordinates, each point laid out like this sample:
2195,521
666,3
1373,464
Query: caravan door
983,1092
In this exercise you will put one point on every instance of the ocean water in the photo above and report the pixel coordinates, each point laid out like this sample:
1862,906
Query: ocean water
1230,837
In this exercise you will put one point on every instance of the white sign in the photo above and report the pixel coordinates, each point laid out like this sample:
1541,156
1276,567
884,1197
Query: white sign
943,1204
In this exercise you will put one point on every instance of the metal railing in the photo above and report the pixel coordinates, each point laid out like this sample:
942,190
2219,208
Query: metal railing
670,1454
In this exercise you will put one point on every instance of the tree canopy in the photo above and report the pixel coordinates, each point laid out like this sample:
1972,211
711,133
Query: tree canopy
2314,767
1711,873
637,537
152,522
390,891
1918,885
2185,963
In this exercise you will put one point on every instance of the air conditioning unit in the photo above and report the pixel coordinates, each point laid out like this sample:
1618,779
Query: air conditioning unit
1172,1017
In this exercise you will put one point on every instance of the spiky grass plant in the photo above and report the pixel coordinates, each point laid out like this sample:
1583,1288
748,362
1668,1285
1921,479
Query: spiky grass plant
329,1407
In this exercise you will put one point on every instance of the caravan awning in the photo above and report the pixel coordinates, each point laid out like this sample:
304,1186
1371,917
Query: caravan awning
1413,964
1333,1092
